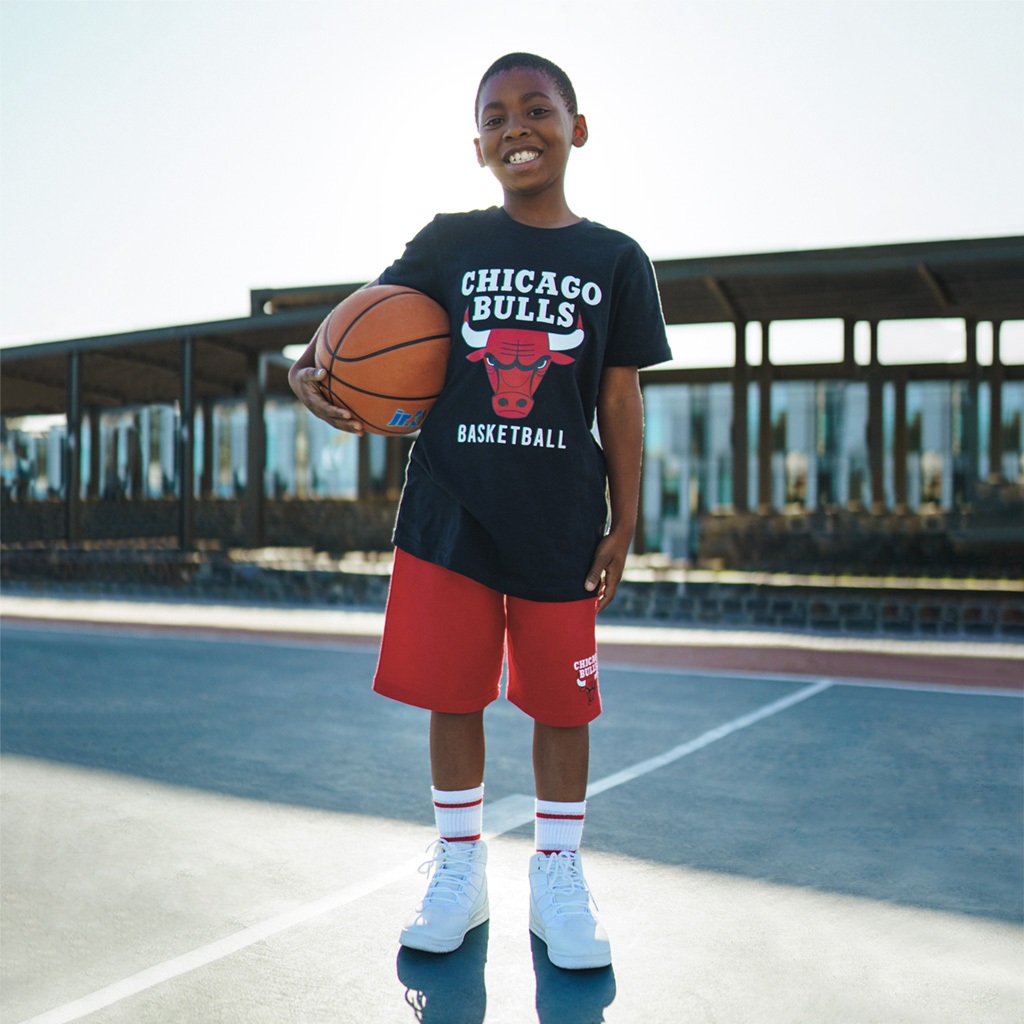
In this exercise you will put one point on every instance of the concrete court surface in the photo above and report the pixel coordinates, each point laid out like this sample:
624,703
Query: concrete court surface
207,817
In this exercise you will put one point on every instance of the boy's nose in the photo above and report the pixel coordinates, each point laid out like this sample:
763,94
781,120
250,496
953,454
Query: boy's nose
515,129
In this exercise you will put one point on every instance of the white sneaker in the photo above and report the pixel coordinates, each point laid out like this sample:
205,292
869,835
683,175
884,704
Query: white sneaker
456,898
562,913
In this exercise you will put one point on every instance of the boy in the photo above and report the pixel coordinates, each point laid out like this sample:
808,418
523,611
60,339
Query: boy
501,539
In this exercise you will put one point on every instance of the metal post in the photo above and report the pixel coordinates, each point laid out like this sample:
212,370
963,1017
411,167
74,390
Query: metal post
256,451
875,433
95,466
73,452
970,415
740,440
899,445
764,427
849,345
207,478
995,410
187,447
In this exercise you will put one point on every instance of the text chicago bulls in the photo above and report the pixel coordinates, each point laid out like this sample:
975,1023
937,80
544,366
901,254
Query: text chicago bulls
527,296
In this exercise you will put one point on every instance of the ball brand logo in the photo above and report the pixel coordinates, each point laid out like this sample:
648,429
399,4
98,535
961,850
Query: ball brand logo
407,420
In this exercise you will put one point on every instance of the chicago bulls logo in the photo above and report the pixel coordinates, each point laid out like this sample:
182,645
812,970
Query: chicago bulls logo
589,687
516,361
586,670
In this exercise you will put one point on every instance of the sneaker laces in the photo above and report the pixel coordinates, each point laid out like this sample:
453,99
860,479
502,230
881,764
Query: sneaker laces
569,892
450,868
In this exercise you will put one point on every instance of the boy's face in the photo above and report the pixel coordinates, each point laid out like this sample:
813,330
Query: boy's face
526,132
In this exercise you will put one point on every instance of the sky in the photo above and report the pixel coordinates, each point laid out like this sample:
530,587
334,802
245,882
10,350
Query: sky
160,158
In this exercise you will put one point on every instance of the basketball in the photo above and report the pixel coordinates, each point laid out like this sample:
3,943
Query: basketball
385,350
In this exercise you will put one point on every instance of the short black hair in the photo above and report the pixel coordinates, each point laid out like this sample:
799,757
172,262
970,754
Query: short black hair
515,61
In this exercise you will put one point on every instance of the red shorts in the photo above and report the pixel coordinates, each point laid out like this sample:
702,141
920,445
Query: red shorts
445,638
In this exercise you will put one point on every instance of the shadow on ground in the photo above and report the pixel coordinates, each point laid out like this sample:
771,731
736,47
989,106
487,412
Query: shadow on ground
902,796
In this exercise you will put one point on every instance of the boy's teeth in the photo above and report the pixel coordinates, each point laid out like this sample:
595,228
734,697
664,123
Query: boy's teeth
523,157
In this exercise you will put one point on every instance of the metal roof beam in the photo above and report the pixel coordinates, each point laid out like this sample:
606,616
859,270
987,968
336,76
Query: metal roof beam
721,295
939,291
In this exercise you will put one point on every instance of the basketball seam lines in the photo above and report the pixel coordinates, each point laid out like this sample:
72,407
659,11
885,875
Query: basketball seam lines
359,316
381,394
391,348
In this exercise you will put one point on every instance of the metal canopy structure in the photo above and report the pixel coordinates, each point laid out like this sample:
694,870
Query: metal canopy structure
981,279
145,367
196,365
978,278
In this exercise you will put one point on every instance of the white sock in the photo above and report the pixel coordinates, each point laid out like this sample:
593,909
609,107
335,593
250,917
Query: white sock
459,813
558,826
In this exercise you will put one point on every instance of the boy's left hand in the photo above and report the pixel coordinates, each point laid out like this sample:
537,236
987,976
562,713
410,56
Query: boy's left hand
607,568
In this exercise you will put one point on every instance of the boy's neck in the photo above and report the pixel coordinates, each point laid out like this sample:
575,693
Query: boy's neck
540,212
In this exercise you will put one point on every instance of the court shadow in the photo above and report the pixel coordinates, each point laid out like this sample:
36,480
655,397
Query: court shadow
447,988
911,798
570,997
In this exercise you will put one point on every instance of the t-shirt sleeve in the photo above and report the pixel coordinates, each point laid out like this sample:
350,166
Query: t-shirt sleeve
637,331
418,266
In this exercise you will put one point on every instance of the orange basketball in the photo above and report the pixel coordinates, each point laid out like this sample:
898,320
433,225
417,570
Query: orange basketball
385,350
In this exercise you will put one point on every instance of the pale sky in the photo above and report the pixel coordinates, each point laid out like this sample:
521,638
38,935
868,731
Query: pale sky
158,159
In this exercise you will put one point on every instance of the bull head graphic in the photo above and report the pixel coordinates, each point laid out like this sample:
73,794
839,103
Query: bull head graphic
516,362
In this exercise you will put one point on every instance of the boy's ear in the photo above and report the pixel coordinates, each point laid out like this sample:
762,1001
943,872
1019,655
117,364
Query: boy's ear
479,155
579,131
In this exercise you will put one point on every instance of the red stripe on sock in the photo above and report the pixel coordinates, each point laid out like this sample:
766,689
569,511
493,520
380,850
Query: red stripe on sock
461,839
560,817
547,853
449,807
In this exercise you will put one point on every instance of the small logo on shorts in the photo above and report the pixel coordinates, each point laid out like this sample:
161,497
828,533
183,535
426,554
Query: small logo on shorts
587,677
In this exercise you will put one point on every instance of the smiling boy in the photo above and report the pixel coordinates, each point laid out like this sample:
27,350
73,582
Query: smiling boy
515,523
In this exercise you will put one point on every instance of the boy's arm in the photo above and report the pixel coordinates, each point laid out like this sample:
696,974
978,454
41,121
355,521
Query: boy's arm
620,421
304,378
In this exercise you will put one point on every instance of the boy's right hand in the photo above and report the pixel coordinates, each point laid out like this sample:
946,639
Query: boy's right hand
305,382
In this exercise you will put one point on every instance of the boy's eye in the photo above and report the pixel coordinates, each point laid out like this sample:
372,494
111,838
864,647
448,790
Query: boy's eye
538,111
492,122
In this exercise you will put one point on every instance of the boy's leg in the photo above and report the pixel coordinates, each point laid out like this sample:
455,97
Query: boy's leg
553,677
457,750
428,661
561,910
456,899
560,762
561,758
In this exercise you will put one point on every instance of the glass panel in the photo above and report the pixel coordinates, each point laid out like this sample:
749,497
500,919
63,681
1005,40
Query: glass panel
701,345
922,341
1011,342
806,341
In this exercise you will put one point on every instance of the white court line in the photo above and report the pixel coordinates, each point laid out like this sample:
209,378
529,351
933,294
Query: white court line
797,677
500,817
711,736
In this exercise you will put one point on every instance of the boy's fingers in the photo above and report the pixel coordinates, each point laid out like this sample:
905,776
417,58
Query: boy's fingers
608,587
338,416
596,574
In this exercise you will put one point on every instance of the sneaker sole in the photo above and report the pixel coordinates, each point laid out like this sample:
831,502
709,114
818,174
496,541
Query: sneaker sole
569,963
411,940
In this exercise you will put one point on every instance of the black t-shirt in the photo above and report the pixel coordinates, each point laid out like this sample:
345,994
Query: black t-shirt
506,482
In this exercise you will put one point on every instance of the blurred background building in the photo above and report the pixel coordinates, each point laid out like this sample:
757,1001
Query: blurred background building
857,459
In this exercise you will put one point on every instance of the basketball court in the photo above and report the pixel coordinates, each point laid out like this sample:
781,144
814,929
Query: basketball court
208,817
